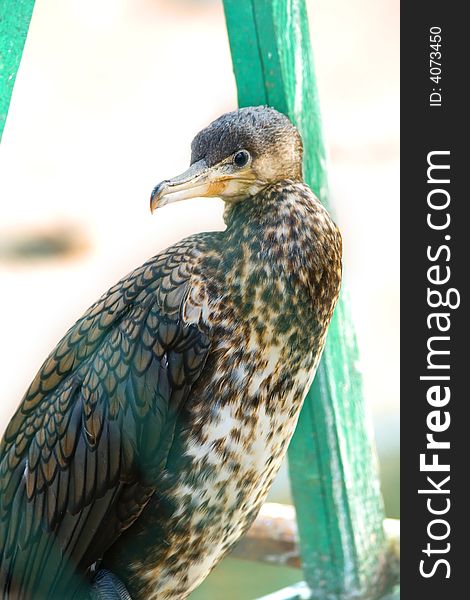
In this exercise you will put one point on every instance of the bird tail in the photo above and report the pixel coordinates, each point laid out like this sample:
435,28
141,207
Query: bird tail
106,586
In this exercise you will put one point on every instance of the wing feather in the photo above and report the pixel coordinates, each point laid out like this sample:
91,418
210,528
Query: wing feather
80,455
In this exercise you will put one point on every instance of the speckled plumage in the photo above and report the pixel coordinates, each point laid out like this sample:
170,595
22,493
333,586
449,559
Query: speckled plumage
152,433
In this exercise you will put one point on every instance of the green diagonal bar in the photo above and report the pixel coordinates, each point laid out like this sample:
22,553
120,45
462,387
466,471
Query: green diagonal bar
15,16
332,462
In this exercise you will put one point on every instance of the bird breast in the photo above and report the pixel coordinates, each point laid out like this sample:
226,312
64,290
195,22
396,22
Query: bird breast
266,291
234,451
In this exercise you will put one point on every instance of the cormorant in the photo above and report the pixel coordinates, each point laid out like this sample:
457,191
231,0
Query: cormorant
149,438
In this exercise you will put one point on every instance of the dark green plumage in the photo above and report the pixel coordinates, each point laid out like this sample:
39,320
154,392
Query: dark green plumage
96,424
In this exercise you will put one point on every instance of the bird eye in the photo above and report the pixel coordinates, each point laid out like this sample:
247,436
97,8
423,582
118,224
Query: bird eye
241,158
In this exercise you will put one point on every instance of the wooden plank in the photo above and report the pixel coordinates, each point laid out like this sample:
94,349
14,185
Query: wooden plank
246,58
273,539
15,16
332,460
299,591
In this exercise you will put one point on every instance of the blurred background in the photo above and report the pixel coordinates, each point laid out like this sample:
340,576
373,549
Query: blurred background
107,99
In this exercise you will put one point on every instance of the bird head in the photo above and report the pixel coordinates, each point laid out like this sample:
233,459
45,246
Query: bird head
235,157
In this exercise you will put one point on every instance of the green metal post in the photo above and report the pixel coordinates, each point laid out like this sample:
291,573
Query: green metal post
332,460
15,16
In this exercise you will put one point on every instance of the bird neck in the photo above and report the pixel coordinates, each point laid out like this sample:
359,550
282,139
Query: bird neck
284,235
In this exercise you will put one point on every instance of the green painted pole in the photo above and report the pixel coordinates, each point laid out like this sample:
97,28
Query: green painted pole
15,16
332,461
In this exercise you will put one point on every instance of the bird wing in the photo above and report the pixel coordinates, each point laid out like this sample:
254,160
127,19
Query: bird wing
80,457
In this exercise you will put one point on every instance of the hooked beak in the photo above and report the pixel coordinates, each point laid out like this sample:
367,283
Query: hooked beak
199,180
